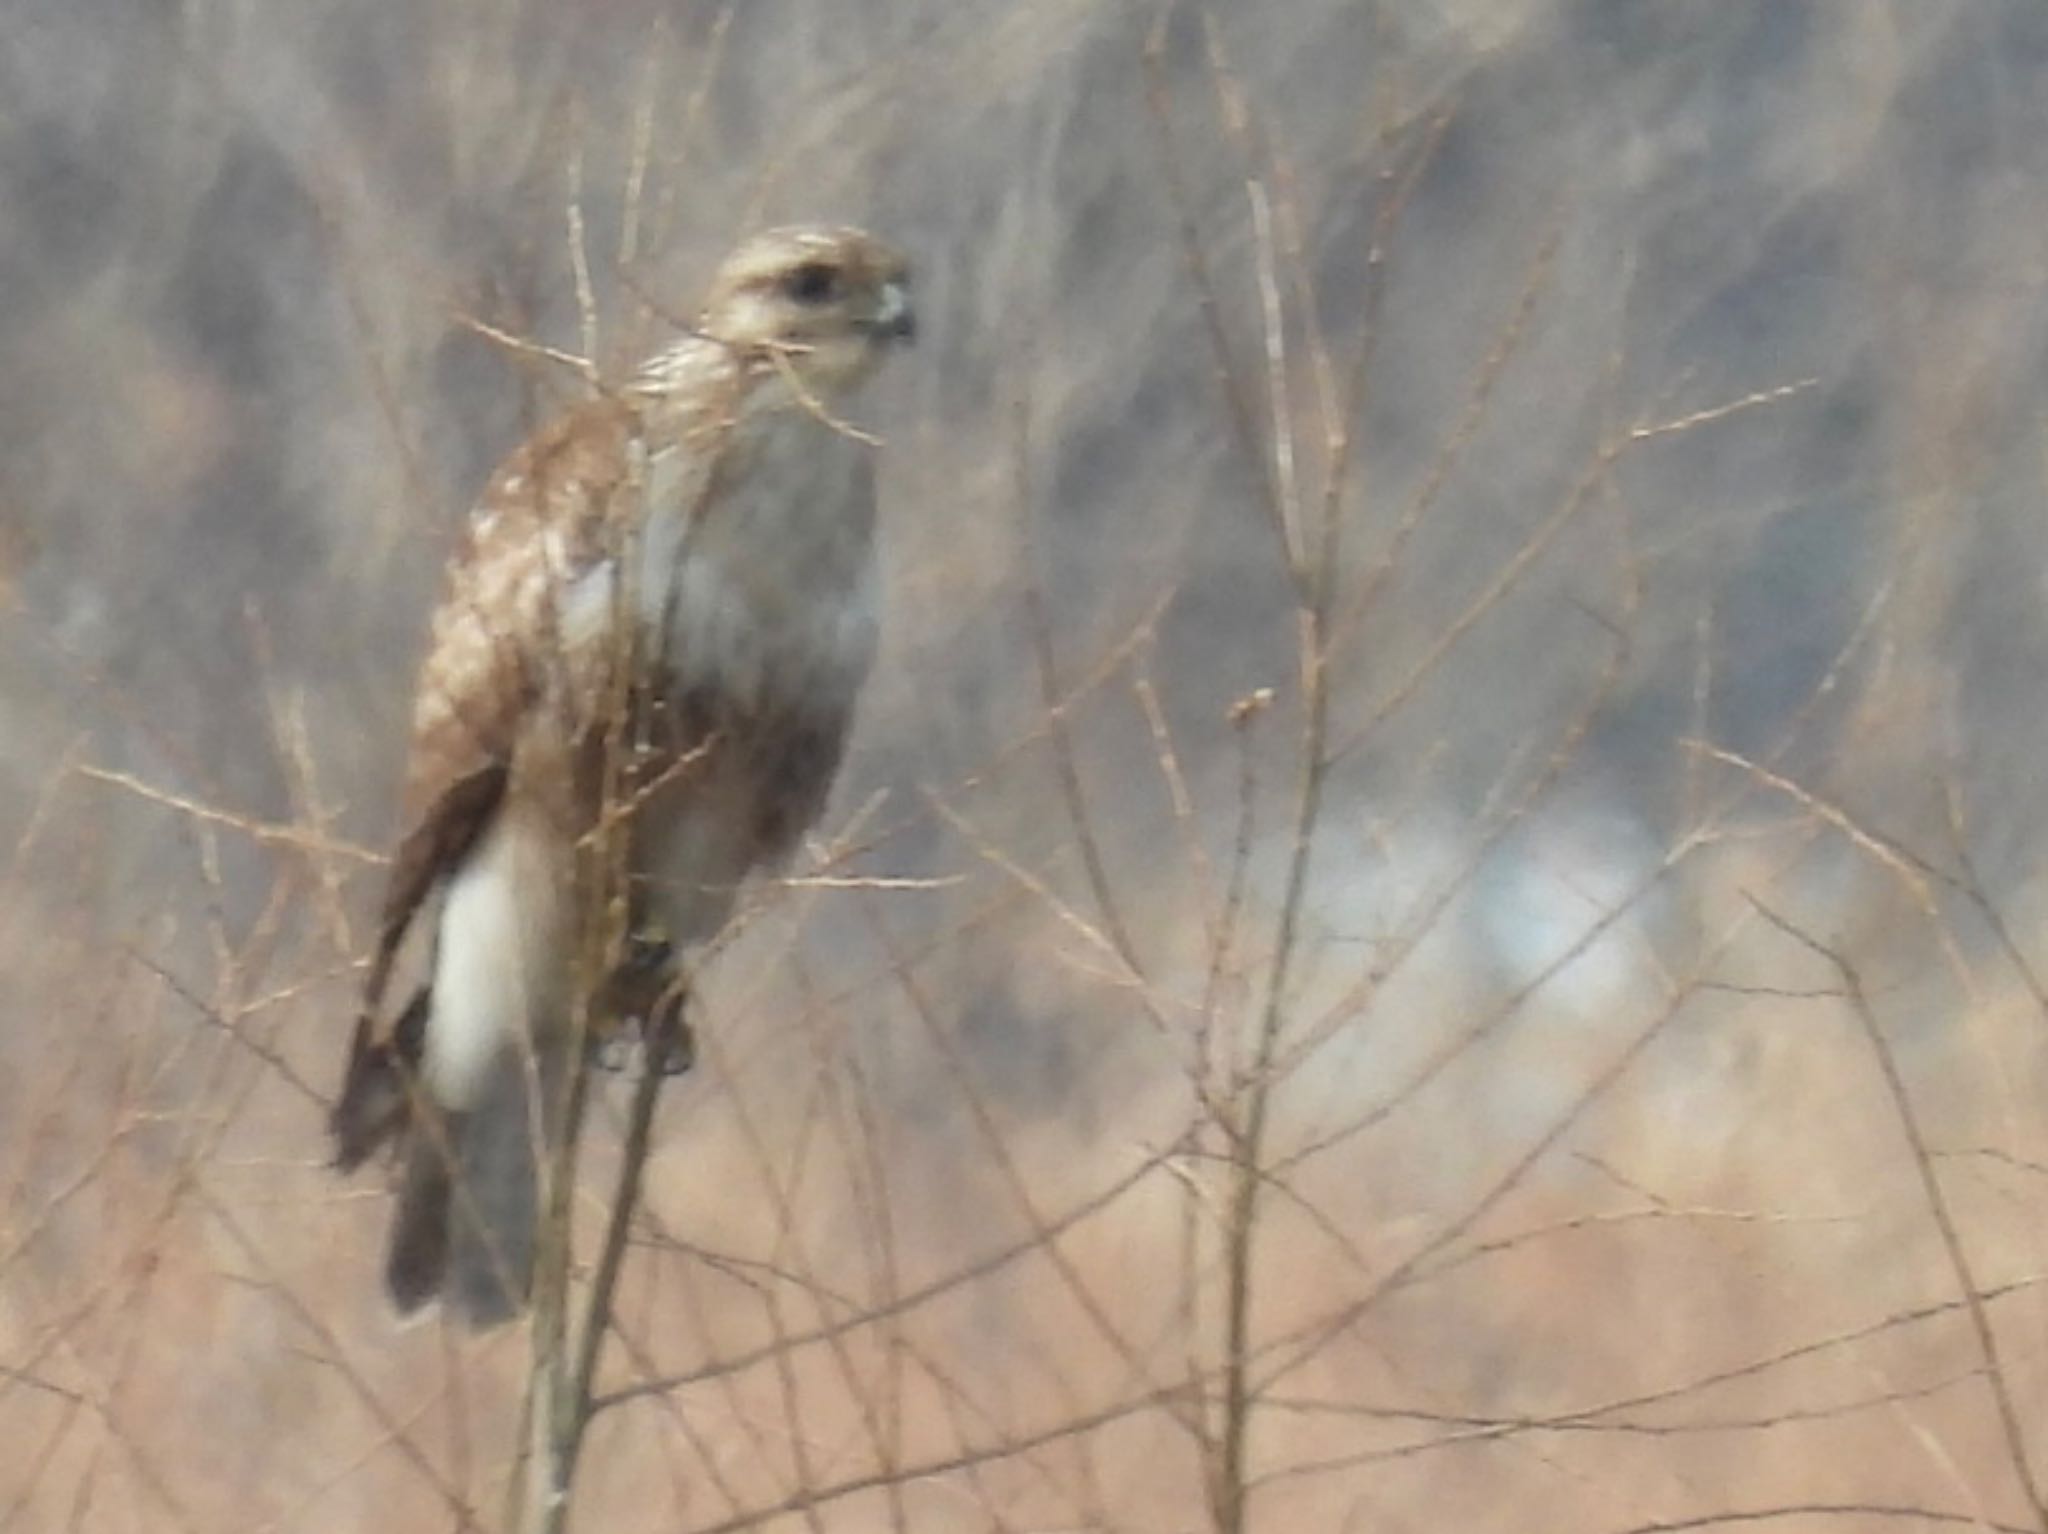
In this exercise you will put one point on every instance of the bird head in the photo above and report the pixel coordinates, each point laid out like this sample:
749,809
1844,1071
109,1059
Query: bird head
826,302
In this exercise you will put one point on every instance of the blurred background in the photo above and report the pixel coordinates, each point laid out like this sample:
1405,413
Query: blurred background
1434,918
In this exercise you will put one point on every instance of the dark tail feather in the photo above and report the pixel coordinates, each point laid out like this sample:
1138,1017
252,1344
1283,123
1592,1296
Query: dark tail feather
418,1259
491,1232
464,1230
469,1202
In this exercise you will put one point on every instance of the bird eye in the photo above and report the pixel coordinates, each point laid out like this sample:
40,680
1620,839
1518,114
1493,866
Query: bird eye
813,283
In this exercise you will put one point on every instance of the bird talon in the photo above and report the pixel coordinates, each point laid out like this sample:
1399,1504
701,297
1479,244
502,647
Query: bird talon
670,1045
611,1050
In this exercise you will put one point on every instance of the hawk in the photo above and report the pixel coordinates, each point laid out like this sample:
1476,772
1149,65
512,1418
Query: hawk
652,640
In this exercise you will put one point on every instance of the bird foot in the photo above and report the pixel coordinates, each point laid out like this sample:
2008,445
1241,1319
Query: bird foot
645,997
669,1047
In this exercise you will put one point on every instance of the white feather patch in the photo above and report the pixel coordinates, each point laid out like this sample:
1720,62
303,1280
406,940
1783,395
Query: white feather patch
500,962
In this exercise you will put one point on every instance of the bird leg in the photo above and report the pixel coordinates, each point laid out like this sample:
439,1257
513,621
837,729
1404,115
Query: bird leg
641,1004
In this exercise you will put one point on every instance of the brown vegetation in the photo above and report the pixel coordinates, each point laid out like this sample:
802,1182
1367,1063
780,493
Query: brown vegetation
1431,924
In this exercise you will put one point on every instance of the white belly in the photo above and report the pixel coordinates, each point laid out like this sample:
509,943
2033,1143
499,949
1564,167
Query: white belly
763,596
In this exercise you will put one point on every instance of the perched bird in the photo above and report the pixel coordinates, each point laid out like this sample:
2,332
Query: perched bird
652,641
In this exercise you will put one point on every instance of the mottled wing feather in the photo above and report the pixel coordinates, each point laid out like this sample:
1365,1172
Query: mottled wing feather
540,524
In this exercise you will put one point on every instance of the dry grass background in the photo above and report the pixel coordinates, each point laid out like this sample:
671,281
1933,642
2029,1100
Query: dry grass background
1434,919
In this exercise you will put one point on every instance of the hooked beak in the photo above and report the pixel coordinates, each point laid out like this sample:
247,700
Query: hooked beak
893,320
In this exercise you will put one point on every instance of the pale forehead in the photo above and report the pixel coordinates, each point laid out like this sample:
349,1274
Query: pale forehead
779,249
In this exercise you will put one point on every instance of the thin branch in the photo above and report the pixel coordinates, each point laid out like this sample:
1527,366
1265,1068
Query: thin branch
1937,1207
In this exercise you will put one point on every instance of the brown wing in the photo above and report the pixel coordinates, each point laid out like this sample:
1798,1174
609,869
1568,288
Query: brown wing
493,641
540,524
